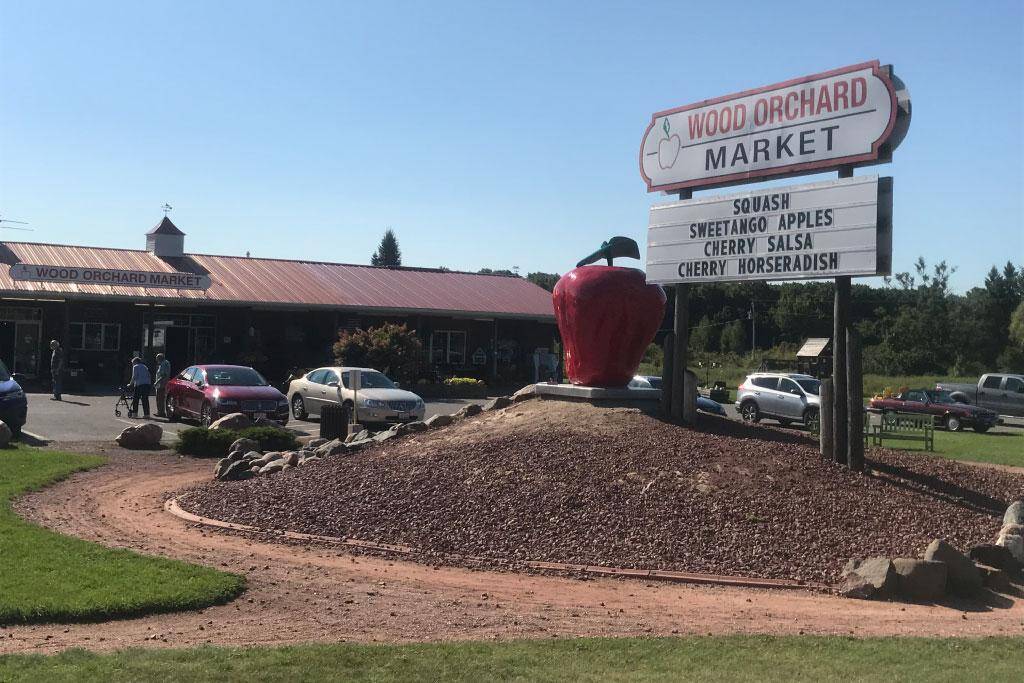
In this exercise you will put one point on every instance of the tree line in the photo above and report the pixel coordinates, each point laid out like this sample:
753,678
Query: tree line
912,325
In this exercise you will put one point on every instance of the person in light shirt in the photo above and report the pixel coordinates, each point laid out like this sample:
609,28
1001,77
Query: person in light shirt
142,381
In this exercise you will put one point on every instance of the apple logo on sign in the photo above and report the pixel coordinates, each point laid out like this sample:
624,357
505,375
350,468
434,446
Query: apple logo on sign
668,147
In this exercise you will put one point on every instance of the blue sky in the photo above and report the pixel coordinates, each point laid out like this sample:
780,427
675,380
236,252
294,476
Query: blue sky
485,134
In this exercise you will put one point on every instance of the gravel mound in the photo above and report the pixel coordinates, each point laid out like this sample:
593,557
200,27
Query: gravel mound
560,482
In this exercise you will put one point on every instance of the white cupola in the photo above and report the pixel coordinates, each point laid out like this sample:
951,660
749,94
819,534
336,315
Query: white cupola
165,240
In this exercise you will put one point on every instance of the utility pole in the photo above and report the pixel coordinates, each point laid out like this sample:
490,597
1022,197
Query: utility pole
753,327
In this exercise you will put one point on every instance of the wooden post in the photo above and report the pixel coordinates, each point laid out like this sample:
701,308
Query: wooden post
690,398
840,394
681,340
855,402
825,420
668,351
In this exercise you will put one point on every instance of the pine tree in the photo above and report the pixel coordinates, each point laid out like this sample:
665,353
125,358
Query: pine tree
388,254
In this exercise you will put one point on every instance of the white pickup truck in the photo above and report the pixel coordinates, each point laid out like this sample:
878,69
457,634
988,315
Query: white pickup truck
1001,392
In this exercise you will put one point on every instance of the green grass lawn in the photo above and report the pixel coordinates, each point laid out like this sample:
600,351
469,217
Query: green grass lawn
998,448
730,658
48,577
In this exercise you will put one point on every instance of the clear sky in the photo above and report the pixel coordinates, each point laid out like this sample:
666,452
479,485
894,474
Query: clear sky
486,134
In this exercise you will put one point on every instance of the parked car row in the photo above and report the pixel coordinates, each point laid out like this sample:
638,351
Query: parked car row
208,392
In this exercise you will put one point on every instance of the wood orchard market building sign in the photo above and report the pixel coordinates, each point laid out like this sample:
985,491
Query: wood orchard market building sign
848,116
106,276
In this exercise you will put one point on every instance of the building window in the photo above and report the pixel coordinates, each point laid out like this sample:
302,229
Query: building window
448,347
95,336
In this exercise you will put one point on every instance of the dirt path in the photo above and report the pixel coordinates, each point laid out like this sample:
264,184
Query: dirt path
309,593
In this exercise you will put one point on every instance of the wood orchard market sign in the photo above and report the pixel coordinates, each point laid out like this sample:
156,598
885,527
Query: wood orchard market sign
105,276
827,229
848,116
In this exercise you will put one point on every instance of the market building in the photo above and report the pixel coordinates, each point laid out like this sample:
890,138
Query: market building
107,305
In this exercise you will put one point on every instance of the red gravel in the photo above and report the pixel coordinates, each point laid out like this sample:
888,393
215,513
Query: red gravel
571,483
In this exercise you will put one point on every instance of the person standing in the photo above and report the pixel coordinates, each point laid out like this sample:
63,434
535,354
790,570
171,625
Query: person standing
141,384
56,368
163,373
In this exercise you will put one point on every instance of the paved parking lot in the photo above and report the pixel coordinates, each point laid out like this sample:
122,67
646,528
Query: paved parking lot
91,418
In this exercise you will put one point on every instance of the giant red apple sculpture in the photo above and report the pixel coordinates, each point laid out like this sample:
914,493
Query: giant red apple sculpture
607,316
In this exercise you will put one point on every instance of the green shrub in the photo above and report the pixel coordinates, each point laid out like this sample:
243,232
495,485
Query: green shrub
214,443
464,382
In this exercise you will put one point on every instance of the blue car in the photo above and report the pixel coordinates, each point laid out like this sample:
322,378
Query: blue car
704,405
13,403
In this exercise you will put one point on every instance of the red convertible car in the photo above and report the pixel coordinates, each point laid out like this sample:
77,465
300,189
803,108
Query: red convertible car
208,392
952,415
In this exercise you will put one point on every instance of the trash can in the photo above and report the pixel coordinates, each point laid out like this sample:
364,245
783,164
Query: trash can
334,419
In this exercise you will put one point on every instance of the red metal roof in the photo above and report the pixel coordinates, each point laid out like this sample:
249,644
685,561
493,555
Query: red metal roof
253,281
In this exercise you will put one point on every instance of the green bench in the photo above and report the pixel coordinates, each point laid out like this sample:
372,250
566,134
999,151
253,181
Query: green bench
905,427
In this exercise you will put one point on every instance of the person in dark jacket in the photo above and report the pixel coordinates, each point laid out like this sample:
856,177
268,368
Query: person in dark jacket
56,368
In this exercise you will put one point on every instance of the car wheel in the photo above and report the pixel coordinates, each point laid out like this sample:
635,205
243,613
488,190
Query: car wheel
953,423
16,431
981,429
750,413
812,420
206,415
171,409
299,408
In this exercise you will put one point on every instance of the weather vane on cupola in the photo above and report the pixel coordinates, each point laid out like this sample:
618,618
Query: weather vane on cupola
166,207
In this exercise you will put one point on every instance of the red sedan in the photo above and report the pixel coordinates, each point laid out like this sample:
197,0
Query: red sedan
208,392
947,412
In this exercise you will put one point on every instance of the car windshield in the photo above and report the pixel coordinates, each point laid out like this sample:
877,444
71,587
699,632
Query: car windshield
235,377
811,386
371,380
939,397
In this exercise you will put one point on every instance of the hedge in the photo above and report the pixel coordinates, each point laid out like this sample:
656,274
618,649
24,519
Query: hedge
214,443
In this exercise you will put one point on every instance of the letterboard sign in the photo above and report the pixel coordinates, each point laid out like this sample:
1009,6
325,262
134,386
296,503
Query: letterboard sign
818,230
854,115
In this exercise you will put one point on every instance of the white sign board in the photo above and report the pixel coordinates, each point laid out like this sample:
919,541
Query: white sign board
106,276
817,230
809,124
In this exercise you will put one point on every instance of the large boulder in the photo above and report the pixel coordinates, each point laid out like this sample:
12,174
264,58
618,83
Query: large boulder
417,426
243,446
273,468
1011,539
331,448
5,434
265,421
920,579
963,577
498,403
146,435
525,394
994,556
235,422
361,435
438,421
1014,513
995,579
874,577
235,471
469,410
222,465
316,443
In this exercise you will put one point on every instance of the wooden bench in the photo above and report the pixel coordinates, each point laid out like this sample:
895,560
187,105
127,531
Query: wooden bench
905,427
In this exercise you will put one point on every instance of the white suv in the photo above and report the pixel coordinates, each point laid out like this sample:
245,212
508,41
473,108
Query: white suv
780,396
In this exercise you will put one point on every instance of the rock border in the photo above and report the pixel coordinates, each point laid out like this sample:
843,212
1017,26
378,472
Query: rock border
172,506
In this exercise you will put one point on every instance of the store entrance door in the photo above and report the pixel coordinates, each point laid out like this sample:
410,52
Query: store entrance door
8,339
